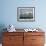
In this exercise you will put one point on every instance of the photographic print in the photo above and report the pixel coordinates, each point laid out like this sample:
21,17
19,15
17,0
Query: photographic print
26,14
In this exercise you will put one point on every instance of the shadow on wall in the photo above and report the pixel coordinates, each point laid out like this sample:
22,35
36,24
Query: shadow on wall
2,26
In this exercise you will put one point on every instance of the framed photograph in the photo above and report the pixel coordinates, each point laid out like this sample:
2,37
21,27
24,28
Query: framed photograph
26,14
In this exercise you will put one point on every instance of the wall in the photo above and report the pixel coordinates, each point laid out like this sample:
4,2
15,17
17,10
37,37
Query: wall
9,13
